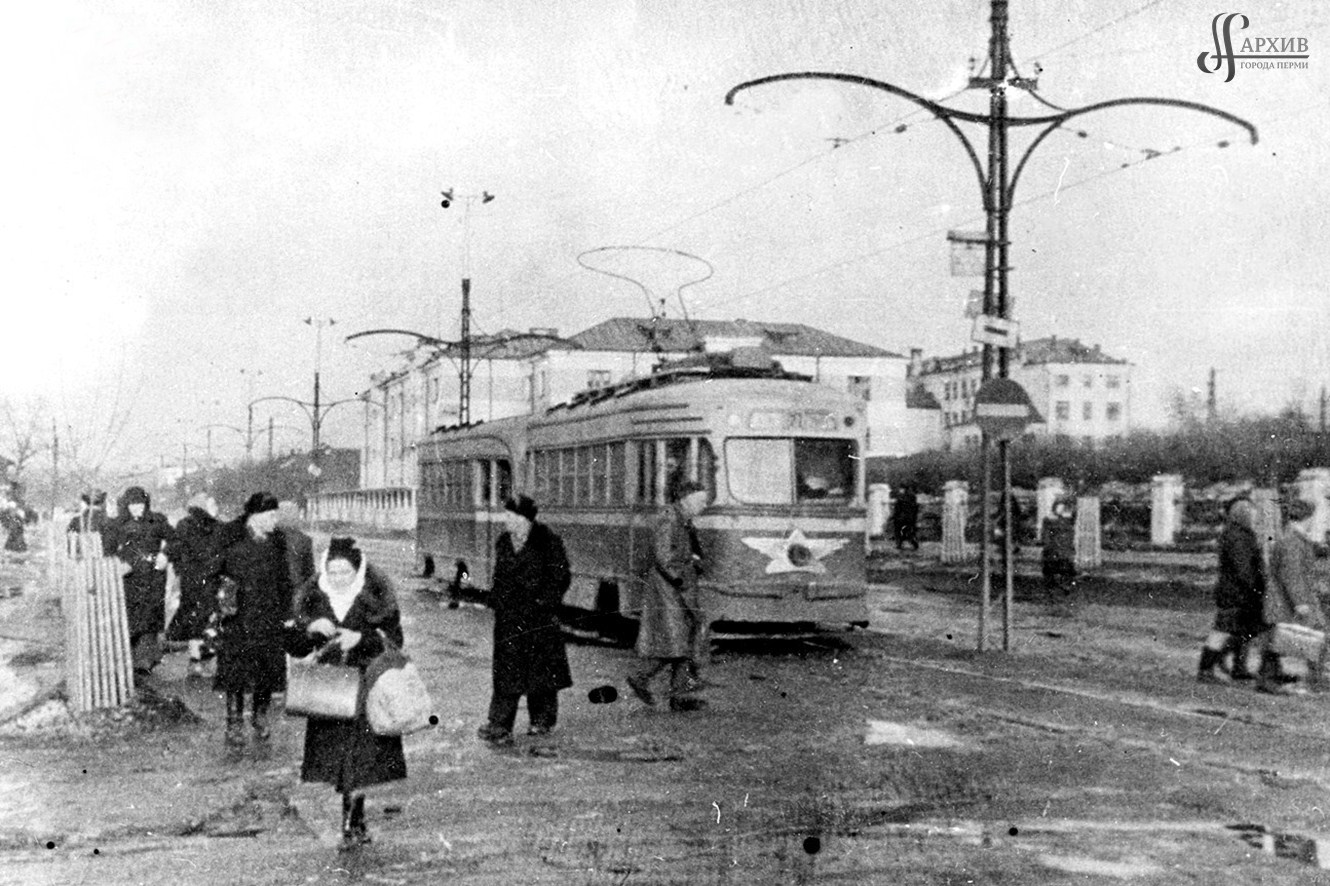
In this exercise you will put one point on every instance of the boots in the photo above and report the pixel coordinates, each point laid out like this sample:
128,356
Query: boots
1270,679
235,720
1210,658
354,832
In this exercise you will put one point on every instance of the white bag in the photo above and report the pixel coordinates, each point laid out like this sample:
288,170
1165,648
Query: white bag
398,702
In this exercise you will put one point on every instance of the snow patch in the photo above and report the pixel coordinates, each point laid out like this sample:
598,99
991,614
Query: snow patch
886,732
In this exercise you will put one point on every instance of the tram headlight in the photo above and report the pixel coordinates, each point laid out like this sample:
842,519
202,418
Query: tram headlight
799,555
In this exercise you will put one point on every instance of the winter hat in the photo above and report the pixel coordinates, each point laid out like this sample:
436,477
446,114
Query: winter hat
135,495
199,500
523,506
687,488
345,549
260,502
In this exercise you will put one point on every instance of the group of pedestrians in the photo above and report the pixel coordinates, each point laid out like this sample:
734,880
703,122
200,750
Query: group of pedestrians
1257,592
531,575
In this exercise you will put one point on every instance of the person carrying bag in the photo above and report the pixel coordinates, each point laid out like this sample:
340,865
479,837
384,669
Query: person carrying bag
350,611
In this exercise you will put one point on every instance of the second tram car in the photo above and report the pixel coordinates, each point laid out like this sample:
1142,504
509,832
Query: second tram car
780,456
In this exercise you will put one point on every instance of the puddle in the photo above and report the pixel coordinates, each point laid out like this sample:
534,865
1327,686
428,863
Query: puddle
885,732
1314,851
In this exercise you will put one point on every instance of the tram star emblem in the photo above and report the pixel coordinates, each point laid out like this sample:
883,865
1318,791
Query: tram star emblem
796,552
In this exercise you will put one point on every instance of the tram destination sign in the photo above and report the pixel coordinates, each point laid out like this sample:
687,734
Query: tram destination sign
792,420
1003,409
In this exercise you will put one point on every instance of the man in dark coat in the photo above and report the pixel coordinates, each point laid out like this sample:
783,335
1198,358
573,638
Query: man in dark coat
140,537
251,657
351,611
1238,594
673,623
905,518
531,574
192,552
1058,537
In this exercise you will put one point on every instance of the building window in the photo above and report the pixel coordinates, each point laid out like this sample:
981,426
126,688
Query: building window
860,386
1087,380
1087,411
1062,380
598,378
1063,410
1112,381
1113,412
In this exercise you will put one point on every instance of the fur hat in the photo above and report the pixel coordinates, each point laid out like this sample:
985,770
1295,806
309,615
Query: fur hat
523,506
343,548
260,502
135,495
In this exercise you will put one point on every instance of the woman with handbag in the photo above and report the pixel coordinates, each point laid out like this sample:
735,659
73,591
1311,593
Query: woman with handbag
347,616
1290,596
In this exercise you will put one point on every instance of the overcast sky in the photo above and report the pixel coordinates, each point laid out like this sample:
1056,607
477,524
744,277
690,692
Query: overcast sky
190,181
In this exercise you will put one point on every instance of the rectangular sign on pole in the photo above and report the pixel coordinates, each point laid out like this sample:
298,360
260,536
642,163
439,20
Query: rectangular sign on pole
990,330
969,256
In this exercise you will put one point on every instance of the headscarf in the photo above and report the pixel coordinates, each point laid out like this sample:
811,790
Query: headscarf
260,502
342,599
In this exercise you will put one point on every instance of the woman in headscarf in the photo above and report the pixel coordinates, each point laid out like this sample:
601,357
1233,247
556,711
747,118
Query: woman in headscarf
192,551
1238,594
531,574
349,610
255,591
140,538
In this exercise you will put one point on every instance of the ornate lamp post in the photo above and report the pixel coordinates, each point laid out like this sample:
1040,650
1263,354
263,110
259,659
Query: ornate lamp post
997,187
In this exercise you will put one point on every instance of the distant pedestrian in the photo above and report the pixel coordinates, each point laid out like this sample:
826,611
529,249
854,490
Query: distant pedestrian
193,550
139,536
14,517
351,609
1238,595
1291,594
1058,536
91,519
531,574
255,593
905,518
673,623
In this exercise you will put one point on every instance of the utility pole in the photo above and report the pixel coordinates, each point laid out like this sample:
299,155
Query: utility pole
1211,398
997,188
464,367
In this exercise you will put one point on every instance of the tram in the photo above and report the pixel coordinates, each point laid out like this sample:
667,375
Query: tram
779,455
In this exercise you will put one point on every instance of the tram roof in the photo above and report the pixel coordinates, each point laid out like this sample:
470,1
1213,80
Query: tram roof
781,339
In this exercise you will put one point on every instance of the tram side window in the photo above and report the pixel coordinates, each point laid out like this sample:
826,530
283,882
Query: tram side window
586,468
505,488
646,472
824,469
676,466
758,470
600,465
484,474
616,473
567,476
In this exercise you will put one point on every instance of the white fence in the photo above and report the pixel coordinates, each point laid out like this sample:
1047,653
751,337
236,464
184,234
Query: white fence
386,509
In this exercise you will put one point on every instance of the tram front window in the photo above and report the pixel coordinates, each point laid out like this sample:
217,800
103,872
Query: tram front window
770,471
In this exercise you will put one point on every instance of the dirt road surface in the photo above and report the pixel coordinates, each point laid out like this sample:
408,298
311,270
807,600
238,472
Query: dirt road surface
1087,754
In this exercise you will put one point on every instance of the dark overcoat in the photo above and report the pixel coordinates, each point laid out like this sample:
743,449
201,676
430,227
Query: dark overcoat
528,589
346,753
138,542
192,550
1241,584
671,608
250,654
1059,546
1292,582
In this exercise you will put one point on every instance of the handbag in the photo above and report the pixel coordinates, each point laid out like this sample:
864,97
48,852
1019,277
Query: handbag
1300,641
316,689
397,701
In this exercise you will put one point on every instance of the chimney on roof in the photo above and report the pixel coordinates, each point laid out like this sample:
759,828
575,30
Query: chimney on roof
916,362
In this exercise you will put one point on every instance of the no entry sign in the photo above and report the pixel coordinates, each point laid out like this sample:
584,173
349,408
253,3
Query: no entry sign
1002,409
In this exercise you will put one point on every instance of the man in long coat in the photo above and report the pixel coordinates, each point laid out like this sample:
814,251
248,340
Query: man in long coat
252,657
1290,593
140,537
531,574
672,618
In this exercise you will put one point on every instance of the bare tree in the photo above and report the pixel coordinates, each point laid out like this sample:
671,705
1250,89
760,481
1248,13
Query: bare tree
25,432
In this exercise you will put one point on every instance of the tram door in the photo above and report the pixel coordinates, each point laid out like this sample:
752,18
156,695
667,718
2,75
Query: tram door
494,485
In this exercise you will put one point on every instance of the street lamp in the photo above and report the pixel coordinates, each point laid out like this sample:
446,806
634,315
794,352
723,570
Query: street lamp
464,389
997,189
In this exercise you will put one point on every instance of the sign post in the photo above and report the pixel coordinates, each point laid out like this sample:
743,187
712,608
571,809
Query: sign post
1002,410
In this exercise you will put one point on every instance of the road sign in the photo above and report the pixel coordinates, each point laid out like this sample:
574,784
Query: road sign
990,330
1002,409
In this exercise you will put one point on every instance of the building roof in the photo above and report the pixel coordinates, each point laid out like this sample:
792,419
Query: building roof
1028,353
918,397
790,339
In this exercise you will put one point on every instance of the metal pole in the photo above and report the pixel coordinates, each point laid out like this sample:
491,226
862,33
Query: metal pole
55,464
464,369
270,430
249,435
